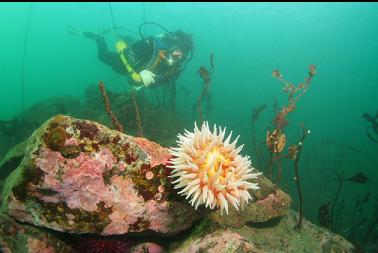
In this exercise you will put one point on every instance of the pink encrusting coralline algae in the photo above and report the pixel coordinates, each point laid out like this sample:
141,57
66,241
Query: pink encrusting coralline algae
158,215
127,205
82,186
158,155
71,142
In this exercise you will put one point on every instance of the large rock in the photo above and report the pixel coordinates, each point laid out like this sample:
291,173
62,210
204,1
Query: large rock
281,236
79,176
219,241
268,203
17,238
277,236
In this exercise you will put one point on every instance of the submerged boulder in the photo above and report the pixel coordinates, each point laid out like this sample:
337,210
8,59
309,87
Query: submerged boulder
79,176
280,235
219,241
268,203
17,238
276,235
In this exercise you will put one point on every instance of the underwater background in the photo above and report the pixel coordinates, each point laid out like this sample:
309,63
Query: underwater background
41,60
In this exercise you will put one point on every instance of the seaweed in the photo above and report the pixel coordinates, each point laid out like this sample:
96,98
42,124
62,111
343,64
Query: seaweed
296,154
108,108
206,76
137,115
276,139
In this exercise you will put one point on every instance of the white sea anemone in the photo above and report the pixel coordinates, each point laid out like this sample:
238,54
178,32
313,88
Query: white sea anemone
210,170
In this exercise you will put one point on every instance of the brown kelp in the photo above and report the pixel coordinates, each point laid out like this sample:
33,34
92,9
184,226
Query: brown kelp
137,115
206,77
370,237
105,98
359,226
294,93
358,220
330,154
276,139
294,154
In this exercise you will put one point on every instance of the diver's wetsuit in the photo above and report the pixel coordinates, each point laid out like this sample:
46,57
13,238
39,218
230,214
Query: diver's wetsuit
142,55
139,54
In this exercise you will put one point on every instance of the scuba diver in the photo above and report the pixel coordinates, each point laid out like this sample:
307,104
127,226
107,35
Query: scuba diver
155,60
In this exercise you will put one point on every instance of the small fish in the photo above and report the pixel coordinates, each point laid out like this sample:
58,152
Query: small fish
359,178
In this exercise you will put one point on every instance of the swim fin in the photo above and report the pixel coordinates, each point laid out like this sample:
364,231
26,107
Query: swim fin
74,31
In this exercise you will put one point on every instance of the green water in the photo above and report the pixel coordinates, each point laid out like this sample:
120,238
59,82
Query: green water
248,40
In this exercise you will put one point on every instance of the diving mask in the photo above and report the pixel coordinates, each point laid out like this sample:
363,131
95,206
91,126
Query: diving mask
174,56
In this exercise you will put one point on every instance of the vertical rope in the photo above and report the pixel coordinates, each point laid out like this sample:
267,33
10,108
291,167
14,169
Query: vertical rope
113,20
24,56
144,16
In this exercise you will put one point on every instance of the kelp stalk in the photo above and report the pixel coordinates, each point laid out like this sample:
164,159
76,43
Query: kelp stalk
305,132
117,125
137,113
206,77
341,181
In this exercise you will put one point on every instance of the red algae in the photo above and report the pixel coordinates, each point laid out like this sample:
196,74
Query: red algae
158,154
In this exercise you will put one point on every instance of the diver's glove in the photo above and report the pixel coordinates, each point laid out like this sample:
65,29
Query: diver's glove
147,77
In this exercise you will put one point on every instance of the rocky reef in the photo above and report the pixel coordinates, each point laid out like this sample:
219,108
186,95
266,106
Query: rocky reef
159,124
15,237
276,235
79,176
78,186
